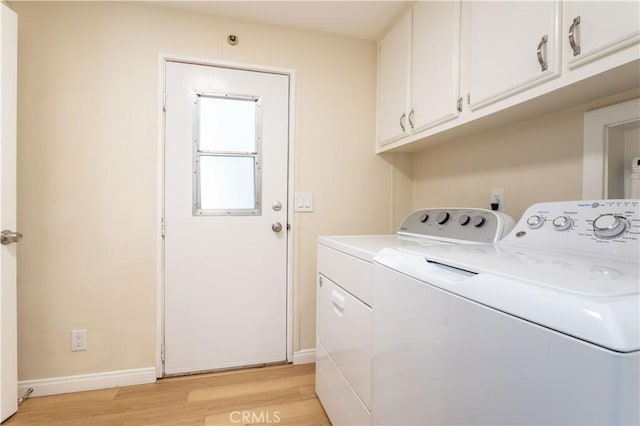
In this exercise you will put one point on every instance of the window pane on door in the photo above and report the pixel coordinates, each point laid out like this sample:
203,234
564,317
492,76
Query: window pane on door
227,124
226,183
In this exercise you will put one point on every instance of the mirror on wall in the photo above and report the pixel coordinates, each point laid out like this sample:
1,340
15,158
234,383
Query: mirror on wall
612,152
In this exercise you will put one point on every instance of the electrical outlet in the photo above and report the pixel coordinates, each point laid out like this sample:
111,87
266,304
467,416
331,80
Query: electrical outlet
78,340
497,197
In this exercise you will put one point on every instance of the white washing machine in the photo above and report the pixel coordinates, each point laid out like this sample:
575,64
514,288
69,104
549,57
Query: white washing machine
345,299
542,328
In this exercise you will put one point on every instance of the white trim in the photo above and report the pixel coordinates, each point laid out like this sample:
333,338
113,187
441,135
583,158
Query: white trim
290,212
194,60
159,218
304,356
87,382
596,126
163,58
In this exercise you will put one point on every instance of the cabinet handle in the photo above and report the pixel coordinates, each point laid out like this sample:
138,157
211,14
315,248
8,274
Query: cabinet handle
402,125
411,114
541,60
572,36
338,300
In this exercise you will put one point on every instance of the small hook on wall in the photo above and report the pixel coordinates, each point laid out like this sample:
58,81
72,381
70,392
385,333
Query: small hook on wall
232,39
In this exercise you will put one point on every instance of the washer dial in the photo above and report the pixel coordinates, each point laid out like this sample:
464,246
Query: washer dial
562,223
609,226
478,221
464,219
535,221
423,217
442,218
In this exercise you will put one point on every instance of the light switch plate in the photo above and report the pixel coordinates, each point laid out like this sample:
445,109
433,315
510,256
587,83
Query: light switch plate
303,202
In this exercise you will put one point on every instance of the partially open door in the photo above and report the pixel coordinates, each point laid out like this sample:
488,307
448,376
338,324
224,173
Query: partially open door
8,264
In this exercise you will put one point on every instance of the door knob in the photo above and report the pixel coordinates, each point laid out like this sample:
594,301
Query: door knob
8,237
276,227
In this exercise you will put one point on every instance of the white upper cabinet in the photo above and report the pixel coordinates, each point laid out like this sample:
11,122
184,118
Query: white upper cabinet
394,61
512,46
435,69
419,71
595,29
505,60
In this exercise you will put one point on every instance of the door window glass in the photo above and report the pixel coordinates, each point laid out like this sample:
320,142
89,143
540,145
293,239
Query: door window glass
227,124
227,183
227,155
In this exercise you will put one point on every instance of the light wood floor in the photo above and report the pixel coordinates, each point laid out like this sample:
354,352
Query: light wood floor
282,395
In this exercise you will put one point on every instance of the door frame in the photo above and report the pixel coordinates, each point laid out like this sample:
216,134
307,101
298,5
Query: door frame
163,58
596,127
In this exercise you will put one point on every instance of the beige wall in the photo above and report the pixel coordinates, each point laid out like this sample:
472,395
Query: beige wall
88,141
87,147
535,160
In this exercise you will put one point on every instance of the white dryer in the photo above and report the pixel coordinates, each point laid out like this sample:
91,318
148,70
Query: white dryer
345,299
543,328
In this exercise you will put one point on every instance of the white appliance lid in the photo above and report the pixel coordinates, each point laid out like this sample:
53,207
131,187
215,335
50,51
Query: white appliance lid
561,271
590,298
364,247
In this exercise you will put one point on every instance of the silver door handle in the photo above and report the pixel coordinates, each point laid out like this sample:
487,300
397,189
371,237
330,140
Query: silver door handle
402,125
276,227
8,237
541,60
572,36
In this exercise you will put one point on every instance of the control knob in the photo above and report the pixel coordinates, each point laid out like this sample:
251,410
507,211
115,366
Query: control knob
478,221
423,217
609,226
562,223
464,219
442,218
535,222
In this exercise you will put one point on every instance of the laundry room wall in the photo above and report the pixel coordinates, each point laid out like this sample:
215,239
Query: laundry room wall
87,169
534,160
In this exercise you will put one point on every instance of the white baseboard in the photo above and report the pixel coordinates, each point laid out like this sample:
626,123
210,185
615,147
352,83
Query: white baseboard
86,382
304,356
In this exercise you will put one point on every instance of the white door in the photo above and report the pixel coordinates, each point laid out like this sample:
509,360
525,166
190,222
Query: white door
435,65
599,28
513,46
394,65
8,315
225,213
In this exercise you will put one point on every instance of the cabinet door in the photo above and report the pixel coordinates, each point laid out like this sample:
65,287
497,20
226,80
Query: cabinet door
595,29
393,81
435,71
510,43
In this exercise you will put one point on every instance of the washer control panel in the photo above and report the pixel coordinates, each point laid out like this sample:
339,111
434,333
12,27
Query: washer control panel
463,224
599,227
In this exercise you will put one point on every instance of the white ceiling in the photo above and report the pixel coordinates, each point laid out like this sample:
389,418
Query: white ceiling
362,19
